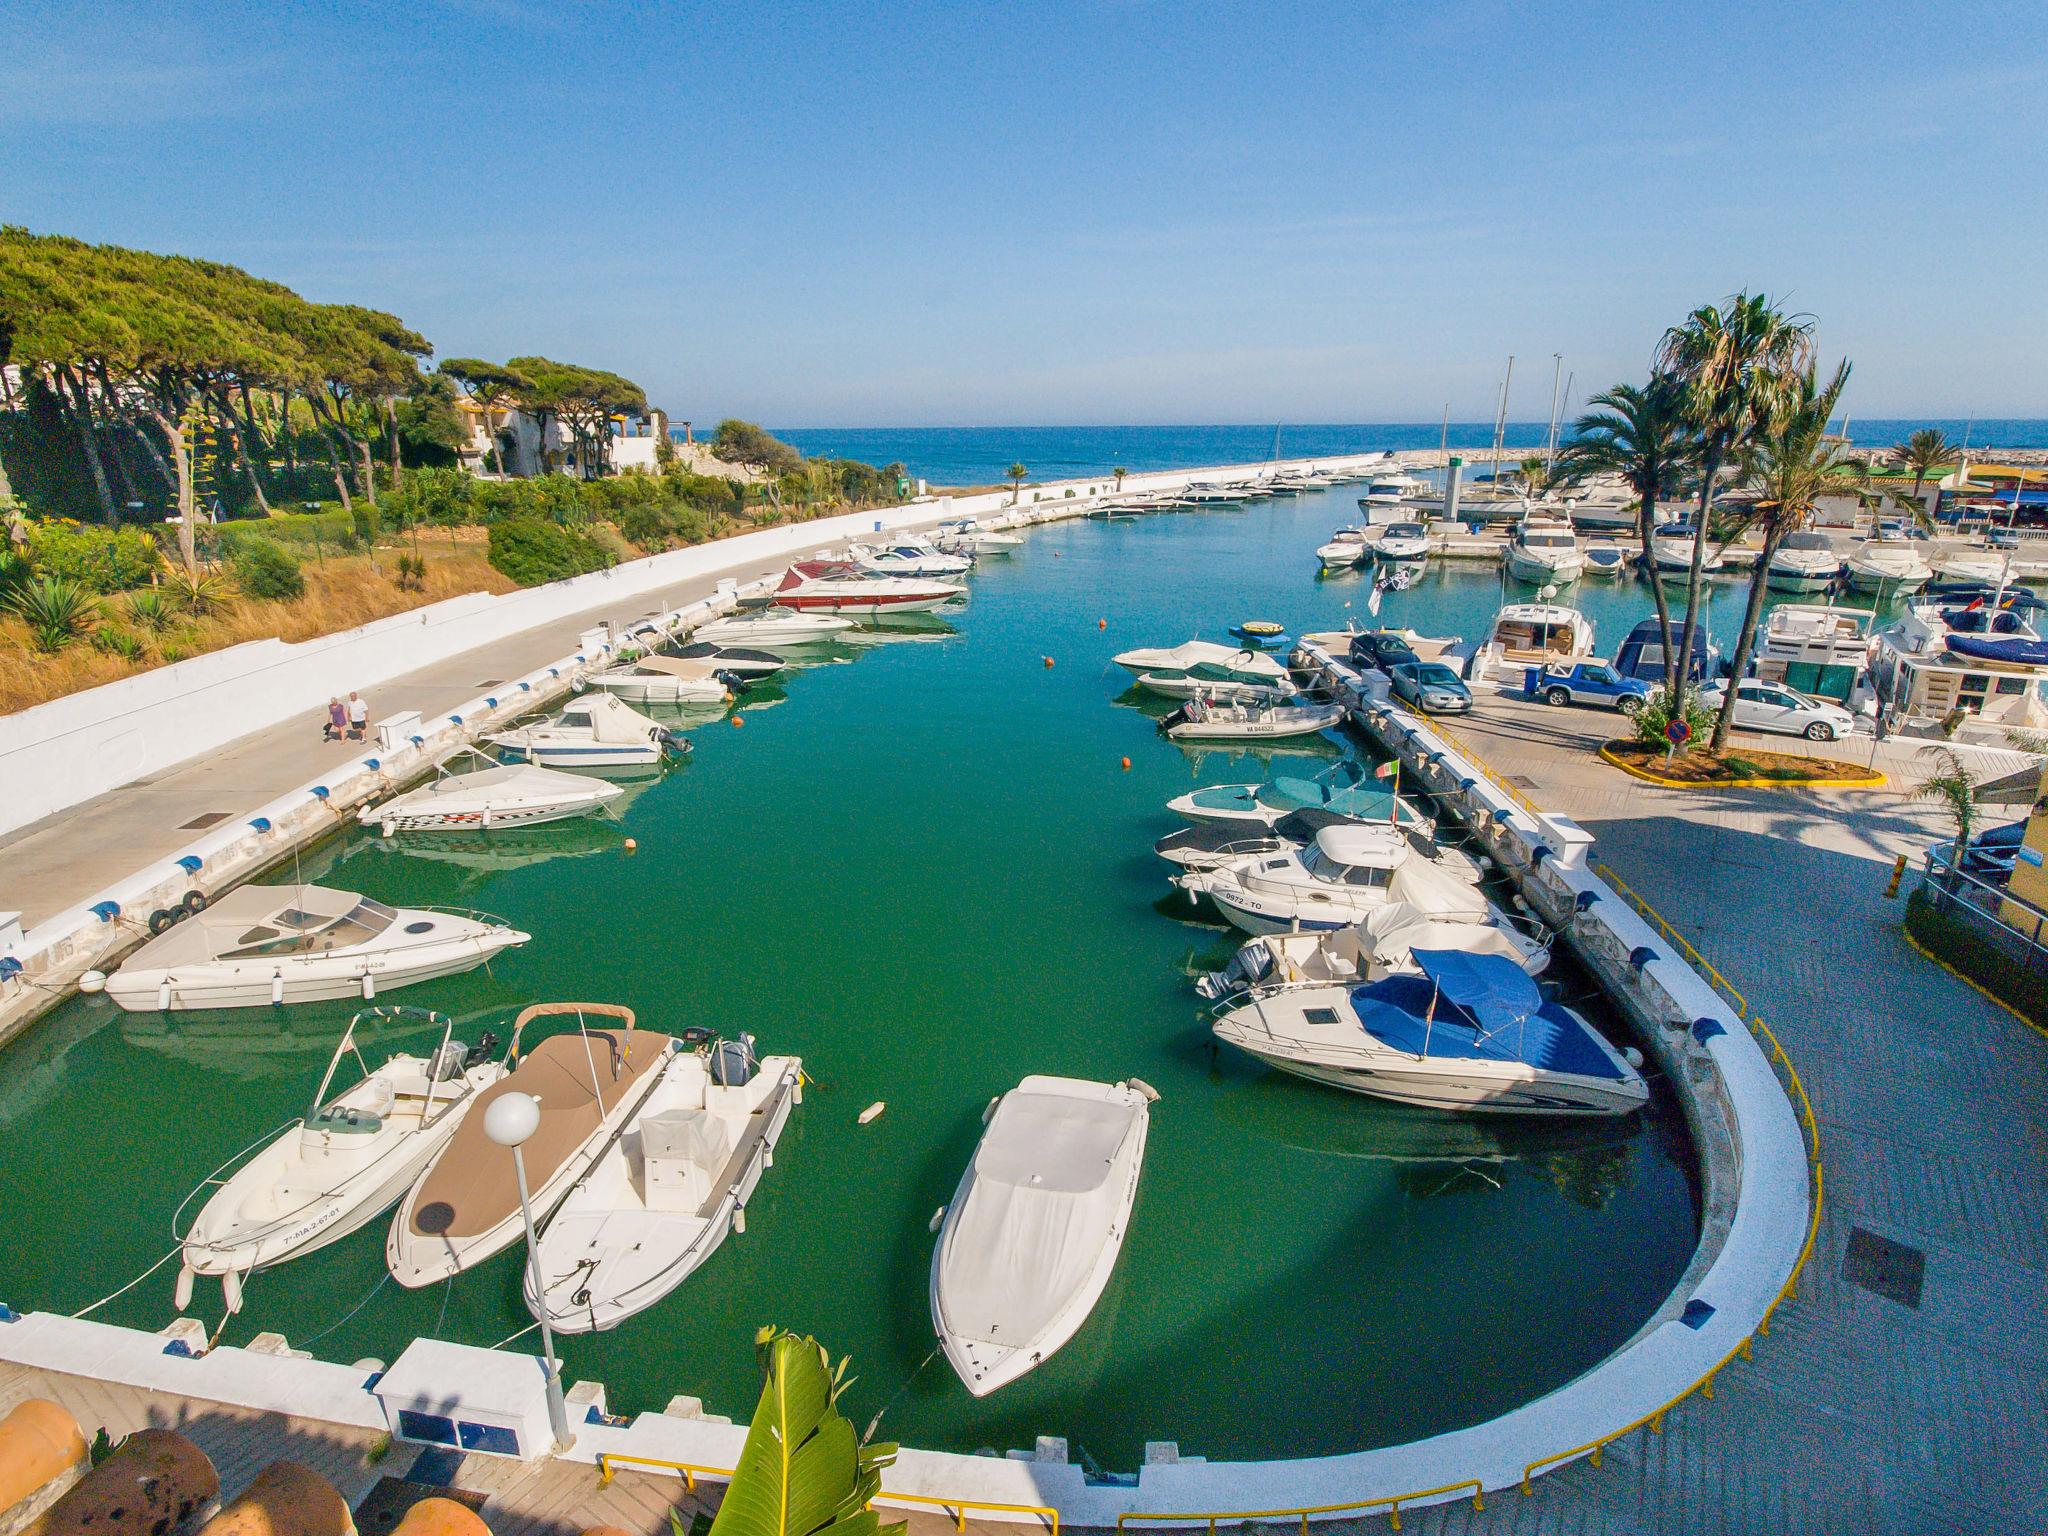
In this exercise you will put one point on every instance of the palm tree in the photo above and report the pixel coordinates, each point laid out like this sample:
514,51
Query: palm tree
1923,453
1639,433
1792,467
1017,474
1736,368
1119,472
1956,787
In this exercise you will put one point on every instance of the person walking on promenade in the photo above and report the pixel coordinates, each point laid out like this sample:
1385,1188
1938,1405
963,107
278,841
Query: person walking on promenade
337,720
358,715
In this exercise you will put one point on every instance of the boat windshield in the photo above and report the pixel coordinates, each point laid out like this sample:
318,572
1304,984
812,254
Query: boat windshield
293,932
1356,876
1403,531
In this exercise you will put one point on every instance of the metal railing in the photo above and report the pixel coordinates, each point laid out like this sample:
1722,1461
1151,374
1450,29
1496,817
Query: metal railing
1958,893
608,1463
1391,1502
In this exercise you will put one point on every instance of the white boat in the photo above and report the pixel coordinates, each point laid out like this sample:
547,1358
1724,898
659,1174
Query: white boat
343,1164
264,944
1198,669
596,731
1671,553
465,1206
1803,562
771,628
839,586
909,555
1887,568
1034,1230
1392,490
1815,649
1337,880
1206,719
495,797
1349,790
1544,550
1525,635
668,1188
1604,557
655,679
967,536
1402,544
1348,548
1382,945
1471,1032
1987,566
740,661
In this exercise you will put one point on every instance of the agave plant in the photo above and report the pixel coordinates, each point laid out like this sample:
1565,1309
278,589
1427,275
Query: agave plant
198,593
57,611
111,640
149,611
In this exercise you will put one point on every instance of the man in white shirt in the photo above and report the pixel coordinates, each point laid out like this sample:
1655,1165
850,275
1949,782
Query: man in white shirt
358,715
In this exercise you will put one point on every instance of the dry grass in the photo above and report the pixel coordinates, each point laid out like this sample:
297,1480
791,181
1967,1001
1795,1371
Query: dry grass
341,592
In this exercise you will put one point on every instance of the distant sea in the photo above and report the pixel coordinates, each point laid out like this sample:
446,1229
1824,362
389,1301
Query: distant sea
983,455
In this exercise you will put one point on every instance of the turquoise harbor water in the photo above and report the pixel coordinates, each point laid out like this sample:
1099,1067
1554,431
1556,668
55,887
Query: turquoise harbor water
920,866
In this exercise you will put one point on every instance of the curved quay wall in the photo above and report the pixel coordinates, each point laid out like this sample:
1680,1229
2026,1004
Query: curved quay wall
1755,1225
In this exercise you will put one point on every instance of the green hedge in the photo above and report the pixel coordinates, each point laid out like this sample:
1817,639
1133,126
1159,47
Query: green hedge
532,551
1964,945
101,559
263,570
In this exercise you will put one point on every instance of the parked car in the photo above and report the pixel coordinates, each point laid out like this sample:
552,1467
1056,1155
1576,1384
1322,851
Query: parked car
1763,706
1586,682
1431,687
2001,538
1382,648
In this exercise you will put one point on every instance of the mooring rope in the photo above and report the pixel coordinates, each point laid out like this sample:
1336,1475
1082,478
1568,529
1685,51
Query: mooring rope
159,1264
869,1433
352,1311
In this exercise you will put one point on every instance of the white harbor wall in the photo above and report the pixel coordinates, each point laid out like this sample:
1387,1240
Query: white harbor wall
63,753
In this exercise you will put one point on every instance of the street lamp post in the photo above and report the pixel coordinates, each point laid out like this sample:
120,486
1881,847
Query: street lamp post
511,1122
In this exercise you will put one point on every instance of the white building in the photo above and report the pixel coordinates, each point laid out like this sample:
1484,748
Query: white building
526,446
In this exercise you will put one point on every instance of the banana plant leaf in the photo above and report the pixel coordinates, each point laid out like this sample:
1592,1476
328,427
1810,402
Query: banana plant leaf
803,1470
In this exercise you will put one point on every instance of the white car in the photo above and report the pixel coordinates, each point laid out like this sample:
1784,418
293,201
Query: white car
1774,707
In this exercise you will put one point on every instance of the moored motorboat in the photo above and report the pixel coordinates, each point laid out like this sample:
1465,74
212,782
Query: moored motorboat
1347,549
596,731
774,627
1543,550
656,679
264,944
465,1206
1210,843
1803,562
967,536
1471,1032
839,586
341,1165
1383,944
1338,879
1206,719
1525,635
1349,790
1604,557
909,555
1887,568
1402,545
667,1190
496,796
1988,567
740,661
1671,549
1033,1232
1199,669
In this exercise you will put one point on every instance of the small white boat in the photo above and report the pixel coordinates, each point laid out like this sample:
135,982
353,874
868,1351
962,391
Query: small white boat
344,1163
1604,557
1199,669
668,1188
1803,562
1348,548
465,1206
740,661
1339,879
967,536
839,586
495,797
265,944
1987,566
909,555
1204,719
1544,550
1888,567
1349,791
655,679
1470,1032
596,731
1034,1230
1382,945
774,627
1402,544
1671,553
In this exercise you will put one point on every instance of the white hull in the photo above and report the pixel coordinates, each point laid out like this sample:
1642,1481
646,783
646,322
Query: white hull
795,629
481,821
1525,567
1208,688
662,690
582,754
1432,1086
1778,580
1869,581
1292,722
331,977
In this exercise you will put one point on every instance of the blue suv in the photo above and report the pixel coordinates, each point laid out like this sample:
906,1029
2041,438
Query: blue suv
1586,682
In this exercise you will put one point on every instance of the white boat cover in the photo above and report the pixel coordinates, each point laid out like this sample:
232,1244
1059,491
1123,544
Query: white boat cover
1033,1225
1194,653
615,724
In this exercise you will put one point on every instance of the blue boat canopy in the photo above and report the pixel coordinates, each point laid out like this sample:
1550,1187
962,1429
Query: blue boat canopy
1491,988
1479,1008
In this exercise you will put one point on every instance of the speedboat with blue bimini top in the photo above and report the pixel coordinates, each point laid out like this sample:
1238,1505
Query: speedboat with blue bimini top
1383,944
596,731
1339,878
667,1190
1350,790
263,944
495,797
1470,1032
1208,719
583,1088
343,1163
1033,1233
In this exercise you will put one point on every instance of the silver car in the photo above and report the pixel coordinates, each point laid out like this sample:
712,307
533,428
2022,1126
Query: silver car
1761,706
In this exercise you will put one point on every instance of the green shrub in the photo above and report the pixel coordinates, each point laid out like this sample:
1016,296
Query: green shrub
263,570
651,527
366,522
113,641
56,610
1655,714
148,610
329,528
1943,932
100,559
532,551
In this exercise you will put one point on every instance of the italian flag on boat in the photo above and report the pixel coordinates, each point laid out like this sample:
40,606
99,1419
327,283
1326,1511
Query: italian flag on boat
1391,769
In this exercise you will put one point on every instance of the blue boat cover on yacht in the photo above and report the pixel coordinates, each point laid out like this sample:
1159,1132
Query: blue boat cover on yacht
2014,650
1487,1009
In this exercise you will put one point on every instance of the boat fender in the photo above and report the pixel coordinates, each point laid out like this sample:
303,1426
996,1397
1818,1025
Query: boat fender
938,1220
162,918
163,996
369,987
872,1112
487,817
231,1283
1632,1056
988,1111
1142,1089
181,1297
796,1089
93,982
389,826
194,902
277,989
739,1219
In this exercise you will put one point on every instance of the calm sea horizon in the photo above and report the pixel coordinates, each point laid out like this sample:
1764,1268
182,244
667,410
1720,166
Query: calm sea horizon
983,455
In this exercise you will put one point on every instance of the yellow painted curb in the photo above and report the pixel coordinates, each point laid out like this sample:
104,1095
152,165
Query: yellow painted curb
1870,780
1975,986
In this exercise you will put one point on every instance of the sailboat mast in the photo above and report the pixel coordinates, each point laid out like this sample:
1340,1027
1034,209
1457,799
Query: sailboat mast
1500,421
1550,437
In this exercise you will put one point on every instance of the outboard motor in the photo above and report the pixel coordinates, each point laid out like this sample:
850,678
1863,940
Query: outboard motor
735,684
1178,717
734,1063
485,1048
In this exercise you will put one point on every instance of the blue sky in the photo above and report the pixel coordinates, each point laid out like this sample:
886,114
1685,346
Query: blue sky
853,214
